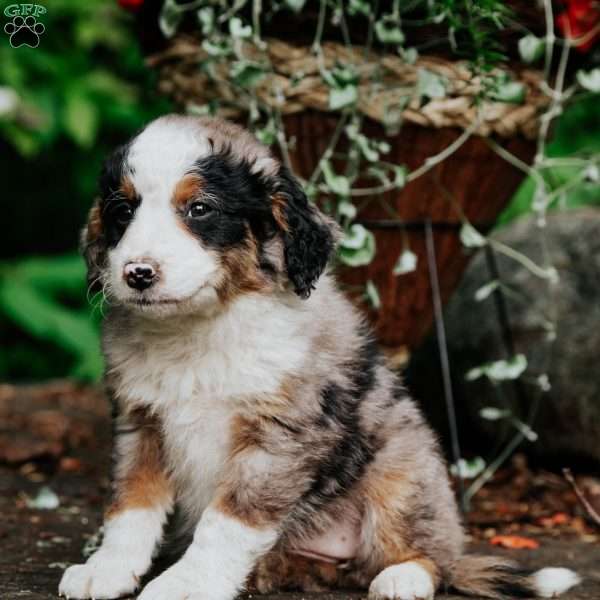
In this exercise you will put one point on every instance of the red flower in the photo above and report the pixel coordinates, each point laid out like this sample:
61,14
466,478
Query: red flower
580,23
132,5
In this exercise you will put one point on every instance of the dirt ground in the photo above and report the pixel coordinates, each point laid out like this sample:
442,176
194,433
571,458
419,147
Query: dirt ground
58,438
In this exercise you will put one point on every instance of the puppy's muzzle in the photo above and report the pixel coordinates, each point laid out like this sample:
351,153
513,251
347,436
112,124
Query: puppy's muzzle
140,275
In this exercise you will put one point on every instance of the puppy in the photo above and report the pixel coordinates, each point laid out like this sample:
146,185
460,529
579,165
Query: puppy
250,394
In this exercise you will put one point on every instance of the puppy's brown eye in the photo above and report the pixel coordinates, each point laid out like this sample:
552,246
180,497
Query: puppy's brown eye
198,210
123,213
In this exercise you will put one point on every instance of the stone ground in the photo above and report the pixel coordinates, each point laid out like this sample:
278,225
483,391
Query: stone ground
36,545
59,437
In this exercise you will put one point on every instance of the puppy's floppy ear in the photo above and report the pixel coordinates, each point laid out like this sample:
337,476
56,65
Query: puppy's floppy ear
93,246
309,237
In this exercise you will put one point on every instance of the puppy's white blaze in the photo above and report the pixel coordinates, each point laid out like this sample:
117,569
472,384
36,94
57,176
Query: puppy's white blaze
553,581
217,562
124,556
406,581
164,152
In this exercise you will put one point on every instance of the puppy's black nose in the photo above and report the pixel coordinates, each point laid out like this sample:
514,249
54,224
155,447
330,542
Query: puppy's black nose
139,276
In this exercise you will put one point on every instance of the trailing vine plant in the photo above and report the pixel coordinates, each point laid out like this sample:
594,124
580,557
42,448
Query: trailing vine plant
232,39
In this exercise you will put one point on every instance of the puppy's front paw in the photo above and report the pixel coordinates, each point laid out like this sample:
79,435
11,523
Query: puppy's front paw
102,577
187,580
407,581
173,584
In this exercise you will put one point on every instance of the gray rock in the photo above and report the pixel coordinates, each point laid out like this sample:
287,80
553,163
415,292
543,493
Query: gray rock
567,416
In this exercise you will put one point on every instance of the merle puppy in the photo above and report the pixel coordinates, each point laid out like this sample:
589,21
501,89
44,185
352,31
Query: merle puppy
251,395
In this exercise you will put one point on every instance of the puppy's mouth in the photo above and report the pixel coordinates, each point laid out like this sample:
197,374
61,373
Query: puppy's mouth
143,302
158,302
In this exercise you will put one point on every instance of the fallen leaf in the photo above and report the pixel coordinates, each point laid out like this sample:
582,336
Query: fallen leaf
514,542
69,464
559,518
45,499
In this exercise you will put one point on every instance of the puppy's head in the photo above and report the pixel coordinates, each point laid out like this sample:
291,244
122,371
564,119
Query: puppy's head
193,212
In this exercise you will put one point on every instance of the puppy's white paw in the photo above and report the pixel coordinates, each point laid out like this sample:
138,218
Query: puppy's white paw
407,581
176,583
102,577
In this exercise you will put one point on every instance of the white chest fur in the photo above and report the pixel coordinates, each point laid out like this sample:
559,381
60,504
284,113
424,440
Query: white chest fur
196,449
197,373
245,351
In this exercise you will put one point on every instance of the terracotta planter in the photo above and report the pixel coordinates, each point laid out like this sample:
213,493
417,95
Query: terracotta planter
474,181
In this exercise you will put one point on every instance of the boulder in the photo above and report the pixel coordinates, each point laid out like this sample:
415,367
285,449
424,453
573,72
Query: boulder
560,389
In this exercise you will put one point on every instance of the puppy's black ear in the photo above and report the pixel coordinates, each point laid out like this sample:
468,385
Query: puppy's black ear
93,244
309,237
93,247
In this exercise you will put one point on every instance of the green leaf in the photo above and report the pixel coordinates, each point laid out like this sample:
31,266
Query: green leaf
470,237
383,146
491,413
57,274
356,258
338,184
342,97
512,92
295,5
400,173
238,30
531,48
430,84
358,246
246,74
373,295
362,7
589,80
468,469
268,134
500,370
388,31
46,319
206,18
346,209
366,148
543,382
45,499
356,237
80,118
410,55
486,290
406,263
170,18
218,48
340,76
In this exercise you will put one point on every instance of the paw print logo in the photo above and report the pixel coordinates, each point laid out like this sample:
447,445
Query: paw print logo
24,31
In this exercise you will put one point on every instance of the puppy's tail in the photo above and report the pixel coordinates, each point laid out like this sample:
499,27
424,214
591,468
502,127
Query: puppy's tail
493,577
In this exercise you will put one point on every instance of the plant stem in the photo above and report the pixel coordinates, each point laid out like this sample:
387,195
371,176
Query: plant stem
525,261
493,467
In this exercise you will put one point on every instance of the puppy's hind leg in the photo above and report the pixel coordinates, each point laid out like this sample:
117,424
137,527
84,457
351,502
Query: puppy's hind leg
415,579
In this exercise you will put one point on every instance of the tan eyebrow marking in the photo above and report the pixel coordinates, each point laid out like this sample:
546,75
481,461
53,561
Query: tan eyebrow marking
127,189
187,188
